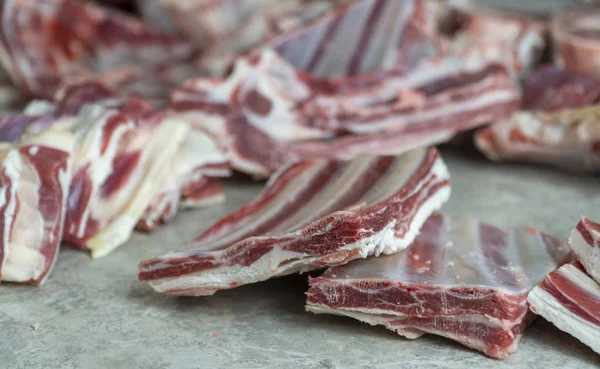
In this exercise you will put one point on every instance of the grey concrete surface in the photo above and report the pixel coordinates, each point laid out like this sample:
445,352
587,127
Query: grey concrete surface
95,314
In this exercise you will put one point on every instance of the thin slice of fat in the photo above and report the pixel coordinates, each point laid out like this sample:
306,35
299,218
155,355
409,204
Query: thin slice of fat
164,144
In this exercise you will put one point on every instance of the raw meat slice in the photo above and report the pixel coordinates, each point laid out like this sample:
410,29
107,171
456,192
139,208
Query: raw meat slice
34,180
311,214
576,33
227,29
44,41
520,45
570,299
366,37
561,128
585,242
394,111
118,168
460,278
569,139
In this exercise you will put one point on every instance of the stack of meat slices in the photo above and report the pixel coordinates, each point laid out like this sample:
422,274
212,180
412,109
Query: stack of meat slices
125,174
570,296
375,92
460,279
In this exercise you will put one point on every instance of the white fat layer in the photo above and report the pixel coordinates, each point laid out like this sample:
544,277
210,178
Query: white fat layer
279,262
394,323
207,201
588,255
161,153
487,99
12,166
371,319
544,304
25,261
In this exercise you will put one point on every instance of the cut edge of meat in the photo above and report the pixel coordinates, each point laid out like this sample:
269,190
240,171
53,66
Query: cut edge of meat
120,229
281,262
543,301
584,240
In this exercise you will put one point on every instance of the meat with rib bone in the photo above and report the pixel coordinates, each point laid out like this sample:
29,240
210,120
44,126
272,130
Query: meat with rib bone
34,180
311,214
585,243
42,42
570,299
560,127
460,278
389,111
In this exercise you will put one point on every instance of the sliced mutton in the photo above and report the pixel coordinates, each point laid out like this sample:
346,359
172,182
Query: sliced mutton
119,163
45,42
34,183
312,214
560,125
295,116
585,242
570,299
460,278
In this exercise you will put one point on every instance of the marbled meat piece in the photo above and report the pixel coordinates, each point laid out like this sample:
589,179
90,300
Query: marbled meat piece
42,42
119,164
311,214
585,243
576,33
34,181
560,126
296,116
570,300
460,278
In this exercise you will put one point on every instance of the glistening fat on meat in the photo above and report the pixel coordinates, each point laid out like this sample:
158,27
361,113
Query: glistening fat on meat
585,242
293,116
118,168
570,299
460,278
34,183
312,214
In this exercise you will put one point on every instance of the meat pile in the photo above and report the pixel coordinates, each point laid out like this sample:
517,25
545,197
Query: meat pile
570,296
337,102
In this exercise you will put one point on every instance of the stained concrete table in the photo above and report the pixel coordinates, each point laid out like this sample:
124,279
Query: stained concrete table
95,314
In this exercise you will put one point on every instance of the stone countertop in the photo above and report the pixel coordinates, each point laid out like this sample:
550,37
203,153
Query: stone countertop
95,314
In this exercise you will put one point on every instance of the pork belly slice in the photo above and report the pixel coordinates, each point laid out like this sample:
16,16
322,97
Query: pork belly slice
585,243
570,299
45,41
560,126
576,34
460,278
34,181
311,214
